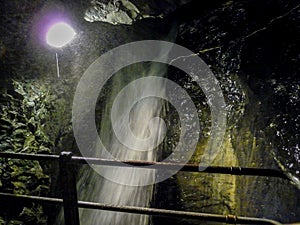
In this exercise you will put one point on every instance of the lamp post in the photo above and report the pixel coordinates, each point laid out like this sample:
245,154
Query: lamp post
58,36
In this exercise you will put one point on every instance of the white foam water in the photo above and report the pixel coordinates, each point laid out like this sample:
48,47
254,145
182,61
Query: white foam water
93,187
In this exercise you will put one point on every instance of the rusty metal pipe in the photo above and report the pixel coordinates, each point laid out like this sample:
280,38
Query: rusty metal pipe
155,165
229,219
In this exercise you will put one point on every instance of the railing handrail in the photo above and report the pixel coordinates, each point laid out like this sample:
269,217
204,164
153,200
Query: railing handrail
229,219
248,171
70,203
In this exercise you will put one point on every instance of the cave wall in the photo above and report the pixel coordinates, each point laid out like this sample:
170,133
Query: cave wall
251,48
245,49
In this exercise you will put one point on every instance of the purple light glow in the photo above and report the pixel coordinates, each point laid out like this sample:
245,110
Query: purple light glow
44,21
60,34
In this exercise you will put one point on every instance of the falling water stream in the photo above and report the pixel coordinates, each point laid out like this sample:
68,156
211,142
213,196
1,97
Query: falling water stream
128,184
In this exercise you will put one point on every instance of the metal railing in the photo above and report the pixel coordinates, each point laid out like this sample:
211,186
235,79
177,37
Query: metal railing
71,204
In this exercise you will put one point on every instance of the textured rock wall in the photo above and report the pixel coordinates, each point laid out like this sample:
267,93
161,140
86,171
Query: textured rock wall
250,46
223,38
26,109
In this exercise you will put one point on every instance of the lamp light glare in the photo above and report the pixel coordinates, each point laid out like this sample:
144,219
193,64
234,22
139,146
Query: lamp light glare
60,34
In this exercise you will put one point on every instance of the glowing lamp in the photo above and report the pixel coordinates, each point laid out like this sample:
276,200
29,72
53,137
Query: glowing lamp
59,35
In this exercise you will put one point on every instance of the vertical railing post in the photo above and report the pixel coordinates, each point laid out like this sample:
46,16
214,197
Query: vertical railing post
69,189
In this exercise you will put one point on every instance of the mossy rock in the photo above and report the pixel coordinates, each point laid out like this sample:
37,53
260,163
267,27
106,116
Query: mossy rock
19,188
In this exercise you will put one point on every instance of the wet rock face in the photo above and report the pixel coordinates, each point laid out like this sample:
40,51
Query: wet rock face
254,59
270,68
118,12
270,65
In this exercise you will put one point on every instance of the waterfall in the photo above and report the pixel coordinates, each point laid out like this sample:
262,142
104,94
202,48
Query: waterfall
94,188
129,131
136,138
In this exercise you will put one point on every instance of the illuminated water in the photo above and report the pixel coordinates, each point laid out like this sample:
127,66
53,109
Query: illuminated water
93,187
